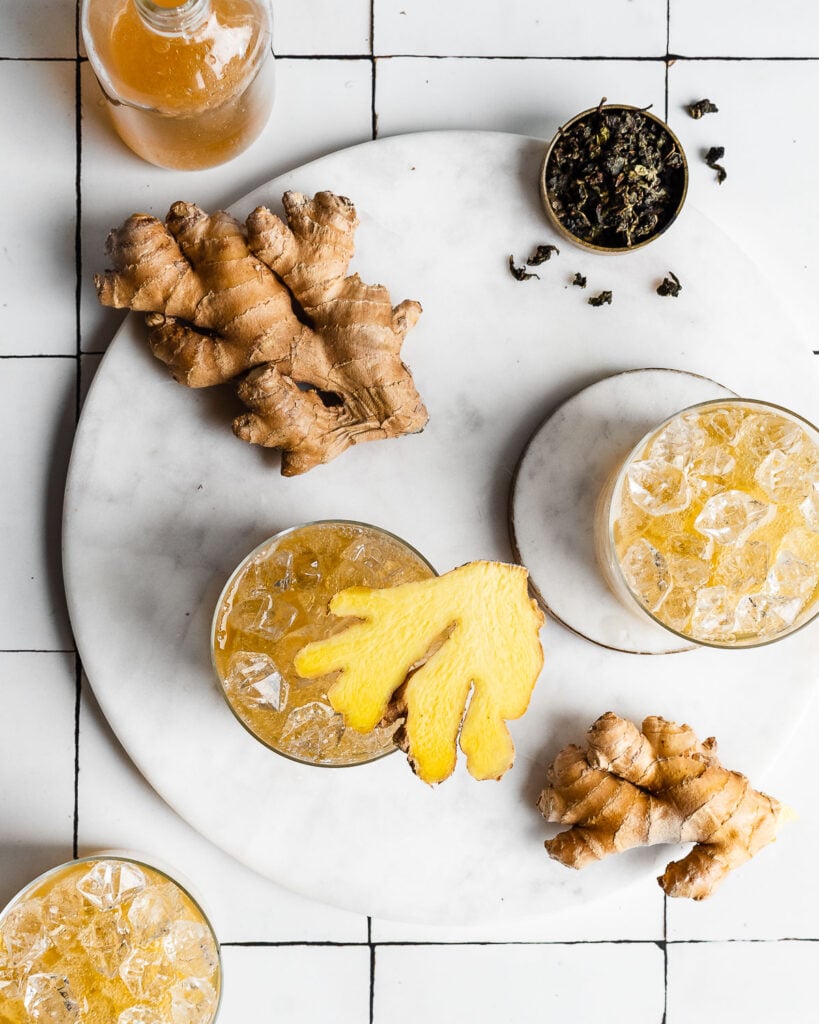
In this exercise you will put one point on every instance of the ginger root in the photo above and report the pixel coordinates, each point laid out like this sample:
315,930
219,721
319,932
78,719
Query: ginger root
419,650
222,299
659,785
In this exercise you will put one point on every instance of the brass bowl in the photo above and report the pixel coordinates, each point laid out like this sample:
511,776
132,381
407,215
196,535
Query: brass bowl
593,246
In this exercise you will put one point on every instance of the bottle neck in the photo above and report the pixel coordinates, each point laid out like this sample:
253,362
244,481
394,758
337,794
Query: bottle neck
172,18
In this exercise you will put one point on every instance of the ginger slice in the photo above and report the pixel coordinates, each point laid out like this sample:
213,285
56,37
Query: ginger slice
216,310
473,629
659,785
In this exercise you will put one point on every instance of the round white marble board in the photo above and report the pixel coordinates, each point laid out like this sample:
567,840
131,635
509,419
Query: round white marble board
162,502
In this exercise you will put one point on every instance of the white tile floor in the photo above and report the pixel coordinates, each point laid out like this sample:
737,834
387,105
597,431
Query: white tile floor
500,64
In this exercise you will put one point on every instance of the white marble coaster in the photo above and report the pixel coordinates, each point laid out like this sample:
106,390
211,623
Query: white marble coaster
559,479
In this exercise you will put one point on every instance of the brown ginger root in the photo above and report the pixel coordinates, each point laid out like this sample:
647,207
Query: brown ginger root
213,309
419,651
216,310
659,785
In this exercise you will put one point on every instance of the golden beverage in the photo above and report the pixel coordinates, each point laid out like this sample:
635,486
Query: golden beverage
107,941
712,524
275,603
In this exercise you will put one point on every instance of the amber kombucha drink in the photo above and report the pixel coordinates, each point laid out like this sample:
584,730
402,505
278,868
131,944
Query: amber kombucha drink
712,524
275,603
107,941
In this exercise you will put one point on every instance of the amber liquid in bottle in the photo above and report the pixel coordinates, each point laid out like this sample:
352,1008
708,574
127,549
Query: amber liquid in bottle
189,85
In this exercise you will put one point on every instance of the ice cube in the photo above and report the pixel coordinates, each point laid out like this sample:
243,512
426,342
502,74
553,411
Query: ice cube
65,913
761,615
110,883
722,423
191,949
12,982
105,941
264,613
193,1001
810,507
689,545
710,467
784,478
676,608
141,1015
154,911
790,577
646,572
147,973
730,517
25,934
764,432
743,569
714,612
680,442
275,570
49,999
313,731
686,572
658,487
254,676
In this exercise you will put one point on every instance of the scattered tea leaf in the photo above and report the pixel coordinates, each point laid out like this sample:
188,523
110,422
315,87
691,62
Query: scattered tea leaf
603,299
542,254
615,177
670,286
696,110
520,273
579,280
714,154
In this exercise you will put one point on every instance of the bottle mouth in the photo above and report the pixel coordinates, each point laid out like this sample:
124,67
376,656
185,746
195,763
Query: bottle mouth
173,19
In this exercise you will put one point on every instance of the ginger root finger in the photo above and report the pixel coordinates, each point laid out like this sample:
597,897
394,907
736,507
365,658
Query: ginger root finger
658,784
224,311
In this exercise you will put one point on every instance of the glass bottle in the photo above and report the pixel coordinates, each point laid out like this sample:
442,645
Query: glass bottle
188,83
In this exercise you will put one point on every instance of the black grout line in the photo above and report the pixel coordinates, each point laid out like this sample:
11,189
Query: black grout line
414,943
38,650
77,701
474,56
372,969
665,955
39,355
373,65
78,378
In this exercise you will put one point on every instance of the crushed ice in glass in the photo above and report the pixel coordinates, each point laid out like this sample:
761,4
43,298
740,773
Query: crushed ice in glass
743,569
313,730
713,615
128,939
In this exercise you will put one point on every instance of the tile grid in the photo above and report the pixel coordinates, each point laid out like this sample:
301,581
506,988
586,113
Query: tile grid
372,944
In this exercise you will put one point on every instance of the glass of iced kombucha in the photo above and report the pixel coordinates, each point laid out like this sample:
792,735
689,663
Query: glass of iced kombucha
107,939
277,601
711,525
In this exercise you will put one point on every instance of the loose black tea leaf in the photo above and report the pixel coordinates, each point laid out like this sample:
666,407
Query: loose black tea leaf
541,254
696,110
670,286
716,153
579,280
615,177
603,299
519,273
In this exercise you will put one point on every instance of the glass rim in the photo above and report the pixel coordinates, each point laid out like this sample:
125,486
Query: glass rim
141,861
618,483
232,578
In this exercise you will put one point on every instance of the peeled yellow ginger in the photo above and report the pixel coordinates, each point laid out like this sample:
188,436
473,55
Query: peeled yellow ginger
419,650
656,784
